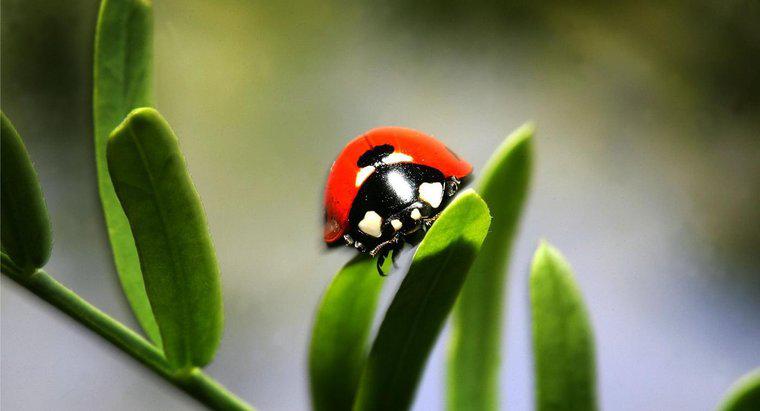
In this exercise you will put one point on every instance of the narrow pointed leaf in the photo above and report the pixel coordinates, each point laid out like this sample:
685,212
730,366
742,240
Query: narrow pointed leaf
474,351
176,254
26,236
563,346
421,305
744,394
122,82
339,340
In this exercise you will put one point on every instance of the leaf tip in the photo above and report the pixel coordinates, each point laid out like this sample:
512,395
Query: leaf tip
470,195
468,192
525,131
521,136
744,394
544,250
139,117
144,114
547,255
479,207
26,235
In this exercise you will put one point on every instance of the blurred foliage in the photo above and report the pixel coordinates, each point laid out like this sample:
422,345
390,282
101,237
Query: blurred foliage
340,335
744,394
563,341
711,46
47,57
702,56
476,339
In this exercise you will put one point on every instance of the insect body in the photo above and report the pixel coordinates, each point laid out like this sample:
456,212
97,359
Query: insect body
388,186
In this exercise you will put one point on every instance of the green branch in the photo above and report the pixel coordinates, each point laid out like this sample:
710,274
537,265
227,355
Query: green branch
194,382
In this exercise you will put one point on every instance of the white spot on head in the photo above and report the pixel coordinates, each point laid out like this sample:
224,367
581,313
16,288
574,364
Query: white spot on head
371,224
431,193
401,186
415,214
394,158
397,224
363,173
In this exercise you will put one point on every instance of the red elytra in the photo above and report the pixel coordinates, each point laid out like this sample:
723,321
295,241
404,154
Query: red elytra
341,188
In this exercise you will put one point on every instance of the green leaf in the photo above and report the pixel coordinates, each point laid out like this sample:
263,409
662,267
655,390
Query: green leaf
25,226
474,351
176,254
744,394
122,82
421,305
563,345
339,340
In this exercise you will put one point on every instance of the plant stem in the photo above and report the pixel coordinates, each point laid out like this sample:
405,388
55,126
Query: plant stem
193,381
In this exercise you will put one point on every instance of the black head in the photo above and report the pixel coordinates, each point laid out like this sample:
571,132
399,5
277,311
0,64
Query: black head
374,155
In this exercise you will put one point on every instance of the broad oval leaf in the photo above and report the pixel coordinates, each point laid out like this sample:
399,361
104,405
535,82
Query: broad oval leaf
563,346
25,226
339,339
122,82
474,351
421,305
744,394
169,226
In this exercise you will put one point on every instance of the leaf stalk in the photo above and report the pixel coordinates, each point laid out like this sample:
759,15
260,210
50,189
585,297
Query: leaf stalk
194,381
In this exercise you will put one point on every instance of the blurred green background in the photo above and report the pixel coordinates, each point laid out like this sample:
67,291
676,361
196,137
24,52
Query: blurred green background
648,177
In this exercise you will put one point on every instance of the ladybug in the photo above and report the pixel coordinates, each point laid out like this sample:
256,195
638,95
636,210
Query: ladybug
387,187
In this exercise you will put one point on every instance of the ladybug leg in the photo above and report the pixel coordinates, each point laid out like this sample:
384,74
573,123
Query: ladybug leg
392,247
380,261
452,186
350,242
382,248
379,250
428,222
396,251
